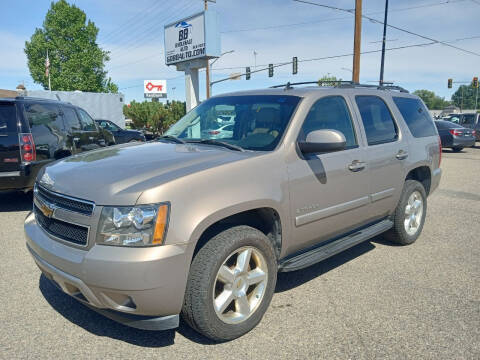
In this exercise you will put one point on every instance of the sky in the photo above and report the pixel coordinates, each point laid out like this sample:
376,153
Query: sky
276,30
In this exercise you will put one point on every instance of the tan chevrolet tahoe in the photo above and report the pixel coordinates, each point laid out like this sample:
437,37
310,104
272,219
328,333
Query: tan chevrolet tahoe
243,186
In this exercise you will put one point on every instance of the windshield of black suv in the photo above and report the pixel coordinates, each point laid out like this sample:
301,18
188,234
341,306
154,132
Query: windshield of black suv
252,122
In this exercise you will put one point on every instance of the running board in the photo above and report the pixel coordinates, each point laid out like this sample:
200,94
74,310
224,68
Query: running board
323,252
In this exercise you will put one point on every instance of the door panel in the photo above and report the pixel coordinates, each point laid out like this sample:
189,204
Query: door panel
74,130
90,138
386,153
328,198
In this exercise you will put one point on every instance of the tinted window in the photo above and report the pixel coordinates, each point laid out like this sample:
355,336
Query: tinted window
258,121
71,119
43,118
377,120
8,118
87,122
330,113
108,125
416,116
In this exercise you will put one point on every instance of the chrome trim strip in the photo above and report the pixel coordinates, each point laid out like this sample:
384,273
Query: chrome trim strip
332,210
9,173
382,194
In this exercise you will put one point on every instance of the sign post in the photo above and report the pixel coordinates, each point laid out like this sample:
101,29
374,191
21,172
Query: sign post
189,43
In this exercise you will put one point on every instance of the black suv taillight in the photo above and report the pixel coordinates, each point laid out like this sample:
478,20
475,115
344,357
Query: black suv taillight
27,147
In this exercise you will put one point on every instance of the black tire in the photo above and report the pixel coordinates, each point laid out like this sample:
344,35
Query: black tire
398,234
457,149
198,310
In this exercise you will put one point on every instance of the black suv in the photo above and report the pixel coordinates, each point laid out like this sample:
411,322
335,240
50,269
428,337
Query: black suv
34,132
121,135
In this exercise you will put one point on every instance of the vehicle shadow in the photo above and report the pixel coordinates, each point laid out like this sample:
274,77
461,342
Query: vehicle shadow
89,320
82,316
15,201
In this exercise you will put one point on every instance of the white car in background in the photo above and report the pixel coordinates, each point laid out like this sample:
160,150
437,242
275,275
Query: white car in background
223,132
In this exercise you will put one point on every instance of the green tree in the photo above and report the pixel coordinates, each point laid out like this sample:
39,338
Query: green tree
155,116
432,101
76,60
328,80
464,97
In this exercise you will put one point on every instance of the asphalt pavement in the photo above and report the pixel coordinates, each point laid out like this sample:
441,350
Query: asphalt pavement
375,300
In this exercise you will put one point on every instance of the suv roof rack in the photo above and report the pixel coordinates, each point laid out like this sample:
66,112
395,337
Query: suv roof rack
343,84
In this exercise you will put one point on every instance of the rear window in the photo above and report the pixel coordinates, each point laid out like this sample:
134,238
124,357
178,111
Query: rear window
416,116
43,116
8,118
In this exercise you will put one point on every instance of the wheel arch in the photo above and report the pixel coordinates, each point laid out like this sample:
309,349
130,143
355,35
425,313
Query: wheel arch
422,174
265,218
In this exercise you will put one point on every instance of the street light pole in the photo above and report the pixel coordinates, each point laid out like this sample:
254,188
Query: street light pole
213,62
383,43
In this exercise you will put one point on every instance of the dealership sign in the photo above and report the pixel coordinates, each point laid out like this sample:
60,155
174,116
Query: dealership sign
155,88
194,37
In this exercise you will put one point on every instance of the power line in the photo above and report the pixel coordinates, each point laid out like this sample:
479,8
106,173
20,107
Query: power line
134,44
149,25
332,56
124,26
389,25
340,18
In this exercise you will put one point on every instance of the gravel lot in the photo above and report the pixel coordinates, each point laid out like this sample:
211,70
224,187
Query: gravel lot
373,301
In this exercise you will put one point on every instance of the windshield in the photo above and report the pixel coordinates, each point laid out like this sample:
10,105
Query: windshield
254,122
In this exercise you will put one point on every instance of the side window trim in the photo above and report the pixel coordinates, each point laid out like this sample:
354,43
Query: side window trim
350,113
395,122
79,115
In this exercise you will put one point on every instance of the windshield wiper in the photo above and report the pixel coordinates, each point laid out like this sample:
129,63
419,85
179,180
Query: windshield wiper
218,143
171,139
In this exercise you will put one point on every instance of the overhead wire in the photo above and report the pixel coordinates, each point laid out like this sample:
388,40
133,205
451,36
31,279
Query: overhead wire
350,11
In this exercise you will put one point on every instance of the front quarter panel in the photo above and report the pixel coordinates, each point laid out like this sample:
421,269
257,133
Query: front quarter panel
201,199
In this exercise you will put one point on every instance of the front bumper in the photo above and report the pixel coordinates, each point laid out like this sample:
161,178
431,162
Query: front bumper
126,284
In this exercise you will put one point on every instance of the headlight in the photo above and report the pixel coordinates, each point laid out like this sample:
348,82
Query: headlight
142,225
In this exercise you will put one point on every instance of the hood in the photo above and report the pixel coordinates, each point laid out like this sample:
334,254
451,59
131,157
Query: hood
118,175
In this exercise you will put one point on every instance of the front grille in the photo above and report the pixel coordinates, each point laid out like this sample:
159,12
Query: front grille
75,234
65,202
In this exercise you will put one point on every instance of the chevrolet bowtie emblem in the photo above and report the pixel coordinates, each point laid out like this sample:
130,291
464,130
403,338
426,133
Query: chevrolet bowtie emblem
46,208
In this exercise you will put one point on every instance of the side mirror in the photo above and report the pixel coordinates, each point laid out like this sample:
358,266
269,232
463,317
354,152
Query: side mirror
322,141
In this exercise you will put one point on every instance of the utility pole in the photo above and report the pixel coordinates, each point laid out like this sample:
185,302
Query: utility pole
383,43
356,41
207,70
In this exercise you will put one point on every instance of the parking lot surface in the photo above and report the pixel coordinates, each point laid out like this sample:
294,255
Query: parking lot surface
376,300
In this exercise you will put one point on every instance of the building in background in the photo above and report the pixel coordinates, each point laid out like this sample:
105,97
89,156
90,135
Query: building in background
106,106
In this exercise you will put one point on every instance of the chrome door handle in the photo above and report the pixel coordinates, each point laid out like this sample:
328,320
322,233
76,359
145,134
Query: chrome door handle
401,155
356,165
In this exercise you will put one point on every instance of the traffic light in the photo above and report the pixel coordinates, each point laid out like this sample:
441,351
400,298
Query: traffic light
247,73
295,65
270,70
475,82
450,82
